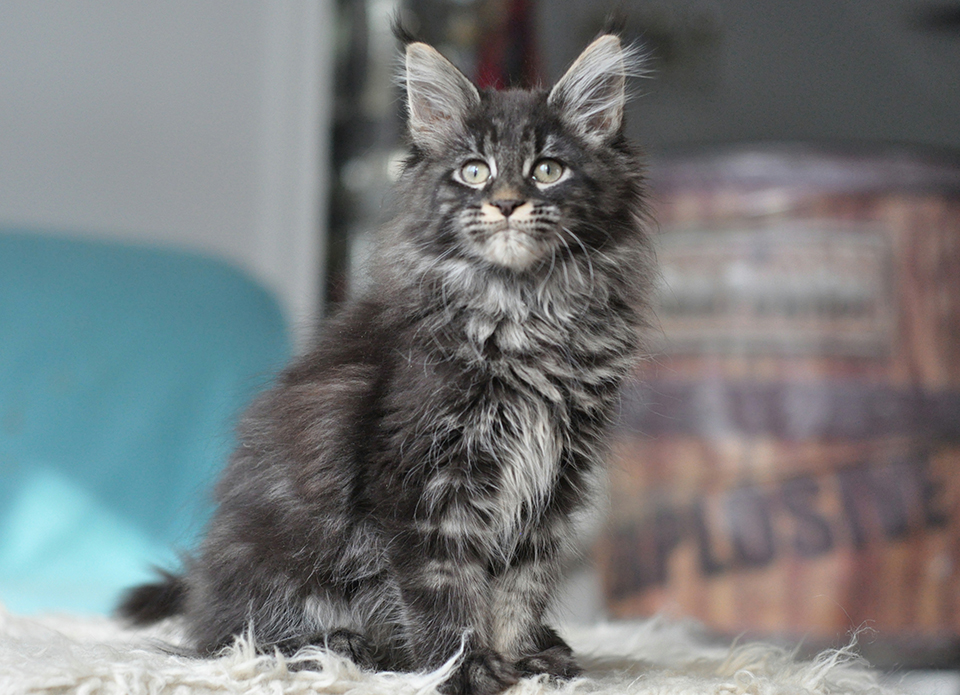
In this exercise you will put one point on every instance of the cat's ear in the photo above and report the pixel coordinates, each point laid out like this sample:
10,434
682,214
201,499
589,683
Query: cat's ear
438,96
592,93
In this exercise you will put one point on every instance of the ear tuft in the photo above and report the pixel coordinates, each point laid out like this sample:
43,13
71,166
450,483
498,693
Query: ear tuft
592,93
438,96
400,30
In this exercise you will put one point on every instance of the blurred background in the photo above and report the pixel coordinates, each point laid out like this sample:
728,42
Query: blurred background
186,187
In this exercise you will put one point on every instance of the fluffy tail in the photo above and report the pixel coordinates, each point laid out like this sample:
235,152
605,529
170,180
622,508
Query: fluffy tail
150,603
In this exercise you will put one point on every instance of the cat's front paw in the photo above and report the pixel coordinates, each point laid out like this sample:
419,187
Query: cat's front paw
554,658
557,662
482,672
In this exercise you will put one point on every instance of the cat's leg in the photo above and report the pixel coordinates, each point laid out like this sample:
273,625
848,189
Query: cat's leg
445,595
519,598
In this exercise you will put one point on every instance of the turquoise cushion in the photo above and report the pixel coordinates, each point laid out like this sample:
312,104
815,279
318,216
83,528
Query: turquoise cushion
122,372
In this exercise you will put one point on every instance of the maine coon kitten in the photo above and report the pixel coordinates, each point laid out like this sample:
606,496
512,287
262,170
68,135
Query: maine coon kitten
411,486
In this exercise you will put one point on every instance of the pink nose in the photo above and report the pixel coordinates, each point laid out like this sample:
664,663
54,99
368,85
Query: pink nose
507,206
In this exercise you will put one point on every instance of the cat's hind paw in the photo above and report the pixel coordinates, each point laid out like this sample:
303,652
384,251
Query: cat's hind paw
347,643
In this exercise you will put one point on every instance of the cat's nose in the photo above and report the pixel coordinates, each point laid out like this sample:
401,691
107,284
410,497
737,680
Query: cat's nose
507,206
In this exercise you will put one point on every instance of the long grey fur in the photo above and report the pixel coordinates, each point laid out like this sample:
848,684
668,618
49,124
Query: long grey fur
411,486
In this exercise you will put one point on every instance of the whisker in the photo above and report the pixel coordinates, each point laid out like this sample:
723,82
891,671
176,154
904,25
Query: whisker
543,283
597,251
586,255
563,265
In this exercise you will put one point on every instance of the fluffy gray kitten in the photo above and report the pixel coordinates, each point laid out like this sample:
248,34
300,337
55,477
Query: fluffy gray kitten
411,486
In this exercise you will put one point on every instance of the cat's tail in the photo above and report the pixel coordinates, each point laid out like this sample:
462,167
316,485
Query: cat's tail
150,603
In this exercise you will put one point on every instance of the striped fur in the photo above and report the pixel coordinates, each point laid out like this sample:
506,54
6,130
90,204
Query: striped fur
412,486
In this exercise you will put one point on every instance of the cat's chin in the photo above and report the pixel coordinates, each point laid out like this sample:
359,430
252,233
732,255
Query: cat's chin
512,248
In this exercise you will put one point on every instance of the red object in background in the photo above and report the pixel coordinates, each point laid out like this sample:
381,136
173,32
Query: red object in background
507,55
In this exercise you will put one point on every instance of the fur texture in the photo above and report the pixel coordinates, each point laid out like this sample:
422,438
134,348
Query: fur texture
61,654
410,488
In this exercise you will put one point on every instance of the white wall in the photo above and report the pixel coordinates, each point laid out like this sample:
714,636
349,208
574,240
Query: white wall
197,124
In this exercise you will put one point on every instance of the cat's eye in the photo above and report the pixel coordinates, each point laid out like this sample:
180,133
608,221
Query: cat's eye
475,172
547,171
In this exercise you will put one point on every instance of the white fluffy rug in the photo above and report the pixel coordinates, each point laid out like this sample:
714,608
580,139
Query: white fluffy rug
87,656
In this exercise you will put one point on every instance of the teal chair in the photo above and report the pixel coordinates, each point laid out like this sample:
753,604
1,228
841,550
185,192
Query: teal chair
123,370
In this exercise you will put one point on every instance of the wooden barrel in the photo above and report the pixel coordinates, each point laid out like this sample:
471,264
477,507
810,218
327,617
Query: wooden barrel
788,460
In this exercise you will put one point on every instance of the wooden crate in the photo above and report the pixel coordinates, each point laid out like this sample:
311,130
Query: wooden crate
788,460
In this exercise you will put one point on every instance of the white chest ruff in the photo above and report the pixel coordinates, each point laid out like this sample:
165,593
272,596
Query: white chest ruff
524,430
529,458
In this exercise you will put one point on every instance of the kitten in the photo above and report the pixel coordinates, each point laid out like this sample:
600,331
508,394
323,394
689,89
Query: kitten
412,485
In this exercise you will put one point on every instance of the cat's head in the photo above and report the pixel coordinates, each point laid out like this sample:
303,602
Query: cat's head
516,179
